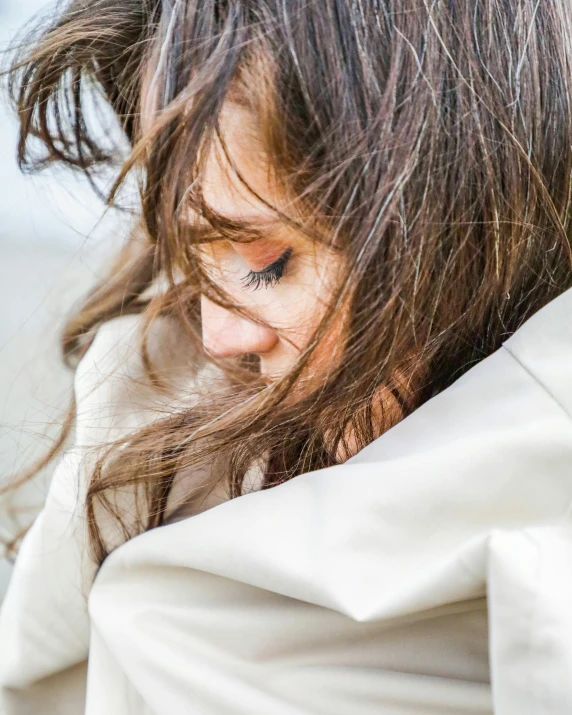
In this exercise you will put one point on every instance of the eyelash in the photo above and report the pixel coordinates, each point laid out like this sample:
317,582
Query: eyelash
270,275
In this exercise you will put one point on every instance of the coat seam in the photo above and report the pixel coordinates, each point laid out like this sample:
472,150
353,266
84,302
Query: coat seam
538,381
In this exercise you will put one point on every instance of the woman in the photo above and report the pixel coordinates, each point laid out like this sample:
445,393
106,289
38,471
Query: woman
322,445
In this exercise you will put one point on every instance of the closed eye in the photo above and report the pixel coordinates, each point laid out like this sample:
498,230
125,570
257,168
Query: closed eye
270,275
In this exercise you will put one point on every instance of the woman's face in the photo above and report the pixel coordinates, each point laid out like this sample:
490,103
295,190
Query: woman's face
283,279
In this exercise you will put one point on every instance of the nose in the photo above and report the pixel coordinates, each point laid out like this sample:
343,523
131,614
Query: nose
228,334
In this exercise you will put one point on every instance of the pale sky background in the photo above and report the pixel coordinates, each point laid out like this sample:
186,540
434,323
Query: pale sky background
53,246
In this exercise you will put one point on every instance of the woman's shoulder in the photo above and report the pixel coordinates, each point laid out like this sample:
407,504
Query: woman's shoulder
114,390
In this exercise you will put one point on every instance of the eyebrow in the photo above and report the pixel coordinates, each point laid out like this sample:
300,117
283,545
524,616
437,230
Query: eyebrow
252,221
247,228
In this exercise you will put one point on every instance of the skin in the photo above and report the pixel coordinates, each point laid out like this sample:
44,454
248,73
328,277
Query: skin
290,308
285,313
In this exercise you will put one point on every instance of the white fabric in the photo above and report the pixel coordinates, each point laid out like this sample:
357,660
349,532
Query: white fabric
430,574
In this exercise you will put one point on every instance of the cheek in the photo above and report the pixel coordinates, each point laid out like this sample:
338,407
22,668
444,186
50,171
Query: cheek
328,353
314,295
297,310
294,307
305,295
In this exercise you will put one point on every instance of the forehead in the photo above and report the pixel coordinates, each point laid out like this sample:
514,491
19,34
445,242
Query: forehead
243,153
237,170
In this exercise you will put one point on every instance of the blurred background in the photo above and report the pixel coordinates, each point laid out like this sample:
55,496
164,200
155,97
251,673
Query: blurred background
54,245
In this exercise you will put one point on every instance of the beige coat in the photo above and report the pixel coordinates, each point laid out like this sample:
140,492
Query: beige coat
431,574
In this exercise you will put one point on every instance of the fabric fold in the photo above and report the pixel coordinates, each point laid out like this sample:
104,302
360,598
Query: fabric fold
430,573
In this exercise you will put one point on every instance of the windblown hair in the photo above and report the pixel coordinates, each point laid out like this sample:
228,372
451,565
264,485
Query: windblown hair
432,142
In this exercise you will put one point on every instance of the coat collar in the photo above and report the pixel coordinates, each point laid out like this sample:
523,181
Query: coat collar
469,497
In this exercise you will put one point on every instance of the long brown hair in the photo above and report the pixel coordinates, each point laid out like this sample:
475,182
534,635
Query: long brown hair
433,145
